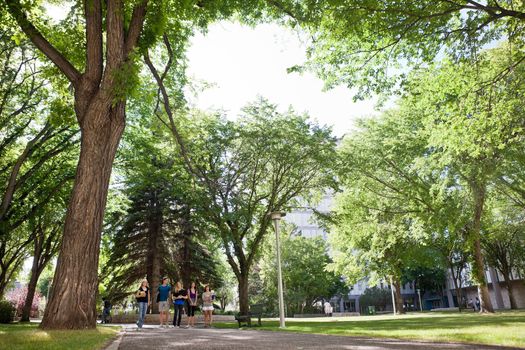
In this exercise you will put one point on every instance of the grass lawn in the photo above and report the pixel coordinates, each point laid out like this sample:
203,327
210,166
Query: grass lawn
29,336
504,328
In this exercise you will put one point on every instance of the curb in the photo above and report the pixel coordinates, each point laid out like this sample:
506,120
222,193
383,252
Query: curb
114,345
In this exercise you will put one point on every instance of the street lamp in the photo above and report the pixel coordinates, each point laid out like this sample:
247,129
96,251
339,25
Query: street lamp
393,298
276,216
420,305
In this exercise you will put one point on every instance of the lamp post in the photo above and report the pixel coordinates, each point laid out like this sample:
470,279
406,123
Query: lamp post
276,216
393,297
419,294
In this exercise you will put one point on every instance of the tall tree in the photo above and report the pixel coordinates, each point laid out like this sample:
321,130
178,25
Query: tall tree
96,52
157,234
504,243
305,278
100,87
46,234
473,128
248,169
434,160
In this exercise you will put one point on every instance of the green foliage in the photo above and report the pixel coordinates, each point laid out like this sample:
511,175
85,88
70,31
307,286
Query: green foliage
37,156
416,179
246,169
305,279
7,311
426,279
151,214
371,44
378,297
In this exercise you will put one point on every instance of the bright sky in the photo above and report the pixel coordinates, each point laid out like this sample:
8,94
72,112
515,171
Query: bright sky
244,62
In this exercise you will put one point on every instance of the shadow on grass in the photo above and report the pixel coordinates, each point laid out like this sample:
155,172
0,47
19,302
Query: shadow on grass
463,321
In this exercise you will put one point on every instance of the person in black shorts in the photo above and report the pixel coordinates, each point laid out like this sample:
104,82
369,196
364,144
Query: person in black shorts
192,304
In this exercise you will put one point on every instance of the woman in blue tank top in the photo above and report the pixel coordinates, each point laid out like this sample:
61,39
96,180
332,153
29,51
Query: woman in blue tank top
179,296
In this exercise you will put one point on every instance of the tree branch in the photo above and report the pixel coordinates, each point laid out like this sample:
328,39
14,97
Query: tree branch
135,26
15,9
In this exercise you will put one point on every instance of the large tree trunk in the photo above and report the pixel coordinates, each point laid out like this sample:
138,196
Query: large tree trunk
186,266
457,286
399,299
508,282
244,301
153,258
72,303
478,191
481,279
31,287
154,282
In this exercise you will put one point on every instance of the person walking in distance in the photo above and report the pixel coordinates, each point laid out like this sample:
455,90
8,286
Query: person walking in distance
164,306
106,310
192,295
144,300
179,297
207,305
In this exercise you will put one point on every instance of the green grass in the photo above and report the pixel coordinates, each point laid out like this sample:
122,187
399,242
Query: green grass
505,328
28,337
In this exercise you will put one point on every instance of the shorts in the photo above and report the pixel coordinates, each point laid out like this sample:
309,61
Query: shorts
207,308
191,310
164,306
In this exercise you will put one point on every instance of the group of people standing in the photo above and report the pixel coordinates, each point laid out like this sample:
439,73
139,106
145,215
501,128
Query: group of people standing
166,295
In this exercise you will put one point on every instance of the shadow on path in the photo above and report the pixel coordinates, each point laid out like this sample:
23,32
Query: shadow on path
152,337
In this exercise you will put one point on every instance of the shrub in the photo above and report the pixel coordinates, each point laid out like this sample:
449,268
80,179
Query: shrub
7,311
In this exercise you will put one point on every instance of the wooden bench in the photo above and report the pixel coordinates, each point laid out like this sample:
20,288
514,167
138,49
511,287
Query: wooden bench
256,311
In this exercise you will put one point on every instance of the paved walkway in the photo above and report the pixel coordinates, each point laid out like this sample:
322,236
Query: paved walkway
152,337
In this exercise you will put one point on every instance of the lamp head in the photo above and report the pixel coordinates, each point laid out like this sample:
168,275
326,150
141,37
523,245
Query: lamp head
277,215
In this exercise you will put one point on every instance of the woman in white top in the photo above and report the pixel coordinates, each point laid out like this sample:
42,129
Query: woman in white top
207,305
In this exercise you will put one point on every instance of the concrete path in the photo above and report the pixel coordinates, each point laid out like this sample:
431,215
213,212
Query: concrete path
153,337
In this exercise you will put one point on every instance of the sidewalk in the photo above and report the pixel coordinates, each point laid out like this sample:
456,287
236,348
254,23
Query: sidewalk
153,337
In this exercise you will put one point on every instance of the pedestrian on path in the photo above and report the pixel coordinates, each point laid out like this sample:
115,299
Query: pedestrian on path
328,309
144,300
162,298
106,311
179,297
192,294
207,306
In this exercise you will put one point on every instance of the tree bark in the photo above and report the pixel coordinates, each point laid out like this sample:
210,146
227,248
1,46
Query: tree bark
186,266
457,285
100,114
478,191
153,258
508,282
244,300
72,303
31,287
399,299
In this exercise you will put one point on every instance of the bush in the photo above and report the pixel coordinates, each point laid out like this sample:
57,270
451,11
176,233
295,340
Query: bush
7,311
